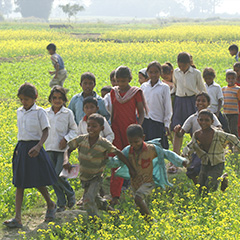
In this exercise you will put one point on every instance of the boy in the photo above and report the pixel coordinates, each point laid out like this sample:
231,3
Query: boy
140,157
60,74
209,144
93,152
88,82
233,50
231,94
90,106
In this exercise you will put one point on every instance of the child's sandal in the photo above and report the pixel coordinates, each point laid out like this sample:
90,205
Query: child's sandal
50,214
13,223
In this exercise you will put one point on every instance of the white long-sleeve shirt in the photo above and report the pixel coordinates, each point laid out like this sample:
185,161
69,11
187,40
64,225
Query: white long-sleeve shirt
62,126
158,100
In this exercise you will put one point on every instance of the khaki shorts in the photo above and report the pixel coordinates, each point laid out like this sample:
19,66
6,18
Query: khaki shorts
144,190
59,80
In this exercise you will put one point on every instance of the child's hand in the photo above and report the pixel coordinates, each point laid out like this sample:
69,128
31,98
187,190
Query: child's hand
67,166
51,72
185,163
33,152
167,131
63,144
177,128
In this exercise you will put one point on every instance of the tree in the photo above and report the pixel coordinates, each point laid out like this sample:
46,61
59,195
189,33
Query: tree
6,6
71,10
34,8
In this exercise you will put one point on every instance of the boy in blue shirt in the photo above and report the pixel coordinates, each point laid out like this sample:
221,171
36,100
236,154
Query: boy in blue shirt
88,82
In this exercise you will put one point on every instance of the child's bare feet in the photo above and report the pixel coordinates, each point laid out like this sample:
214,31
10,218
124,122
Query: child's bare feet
224,182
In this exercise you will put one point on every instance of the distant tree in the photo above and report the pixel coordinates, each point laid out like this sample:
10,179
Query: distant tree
201,8
34,8
71,10
6,6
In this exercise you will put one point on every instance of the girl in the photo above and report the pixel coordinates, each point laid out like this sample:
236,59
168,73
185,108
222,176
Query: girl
156,122
31,164
190,126
63,129
143,76
167,75
125,101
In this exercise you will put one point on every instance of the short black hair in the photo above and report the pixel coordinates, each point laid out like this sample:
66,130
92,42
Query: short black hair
233,47
28,90
154,64
112,75
209,72
98,118
206,112
205,95
167,68
106,89
52,46
90,99
183,57
88,75
58,89
231,72
135,130
236,65
123,72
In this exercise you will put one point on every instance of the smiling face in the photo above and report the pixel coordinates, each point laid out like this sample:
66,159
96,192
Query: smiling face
57,101
136,142
201,102
94,128
26,101
205,121
87,86
231,79
209,80
154,74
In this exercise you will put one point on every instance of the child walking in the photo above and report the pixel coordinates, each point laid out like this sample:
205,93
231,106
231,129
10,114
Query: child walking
87,83
188,83
93,157
31,164
158,99
60,73
209,144
231,94
63,129
126,100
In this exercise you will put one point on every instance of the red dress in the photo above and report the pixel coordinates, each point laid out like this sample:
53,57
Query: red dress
124,114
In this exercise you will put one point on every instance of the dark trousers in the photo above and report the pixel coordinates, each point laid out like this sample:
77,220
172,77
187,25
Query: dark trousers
233,123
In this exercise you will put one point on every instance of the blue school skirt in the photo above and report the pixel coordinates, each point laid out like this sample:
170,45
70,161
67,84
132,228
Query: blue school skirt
182,109
31,172
153,129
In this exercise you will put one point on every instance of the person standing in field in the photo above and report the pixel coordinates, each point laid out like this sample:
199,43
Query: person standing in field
126,101
188,83
63,129
31,164
60,73
158,99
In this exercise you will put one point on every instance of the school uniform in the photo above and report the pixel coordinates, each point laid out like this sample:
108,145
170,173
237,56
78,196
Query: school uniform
29,172
187,85
158,100
106,133
62,126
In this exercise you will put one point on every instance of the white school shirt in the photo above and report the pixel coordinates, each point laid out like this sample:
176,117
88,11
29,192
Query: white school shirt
158,101
192,124
63,125
215,93
106,133
31,123
108,102
189,83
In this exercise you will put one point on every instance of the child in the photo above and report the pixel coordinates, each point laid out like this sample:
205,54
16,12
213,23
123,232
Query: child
60,74
236,68
188,83
105,90
93,151
209,144
107,97
140,156
231,94
215,92
90,106
190,126
233,50
63,129
126,100
143,76
88,82
157,94
31,164
167,75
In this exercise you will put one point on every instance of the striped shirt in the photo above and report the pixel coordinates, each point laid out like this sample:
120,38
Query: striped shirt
231,97
93,158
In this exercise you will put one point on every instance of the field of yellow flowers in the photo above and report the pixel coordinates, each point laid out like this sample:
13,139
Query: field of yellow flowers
179,211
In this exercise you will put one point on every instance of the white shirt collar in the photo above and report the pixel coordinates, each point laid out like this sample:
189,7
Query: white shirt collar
34,107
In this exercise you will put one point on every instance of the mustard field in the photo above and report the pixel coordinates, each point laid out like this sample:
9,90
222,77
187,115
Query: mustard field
179,211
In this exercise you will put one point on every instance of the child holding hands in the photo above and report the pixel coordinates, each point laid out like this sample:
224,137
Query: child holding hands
31,164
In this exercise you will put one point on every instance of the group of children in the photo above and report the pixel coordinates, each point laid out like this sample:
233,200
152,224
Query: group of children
101,128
